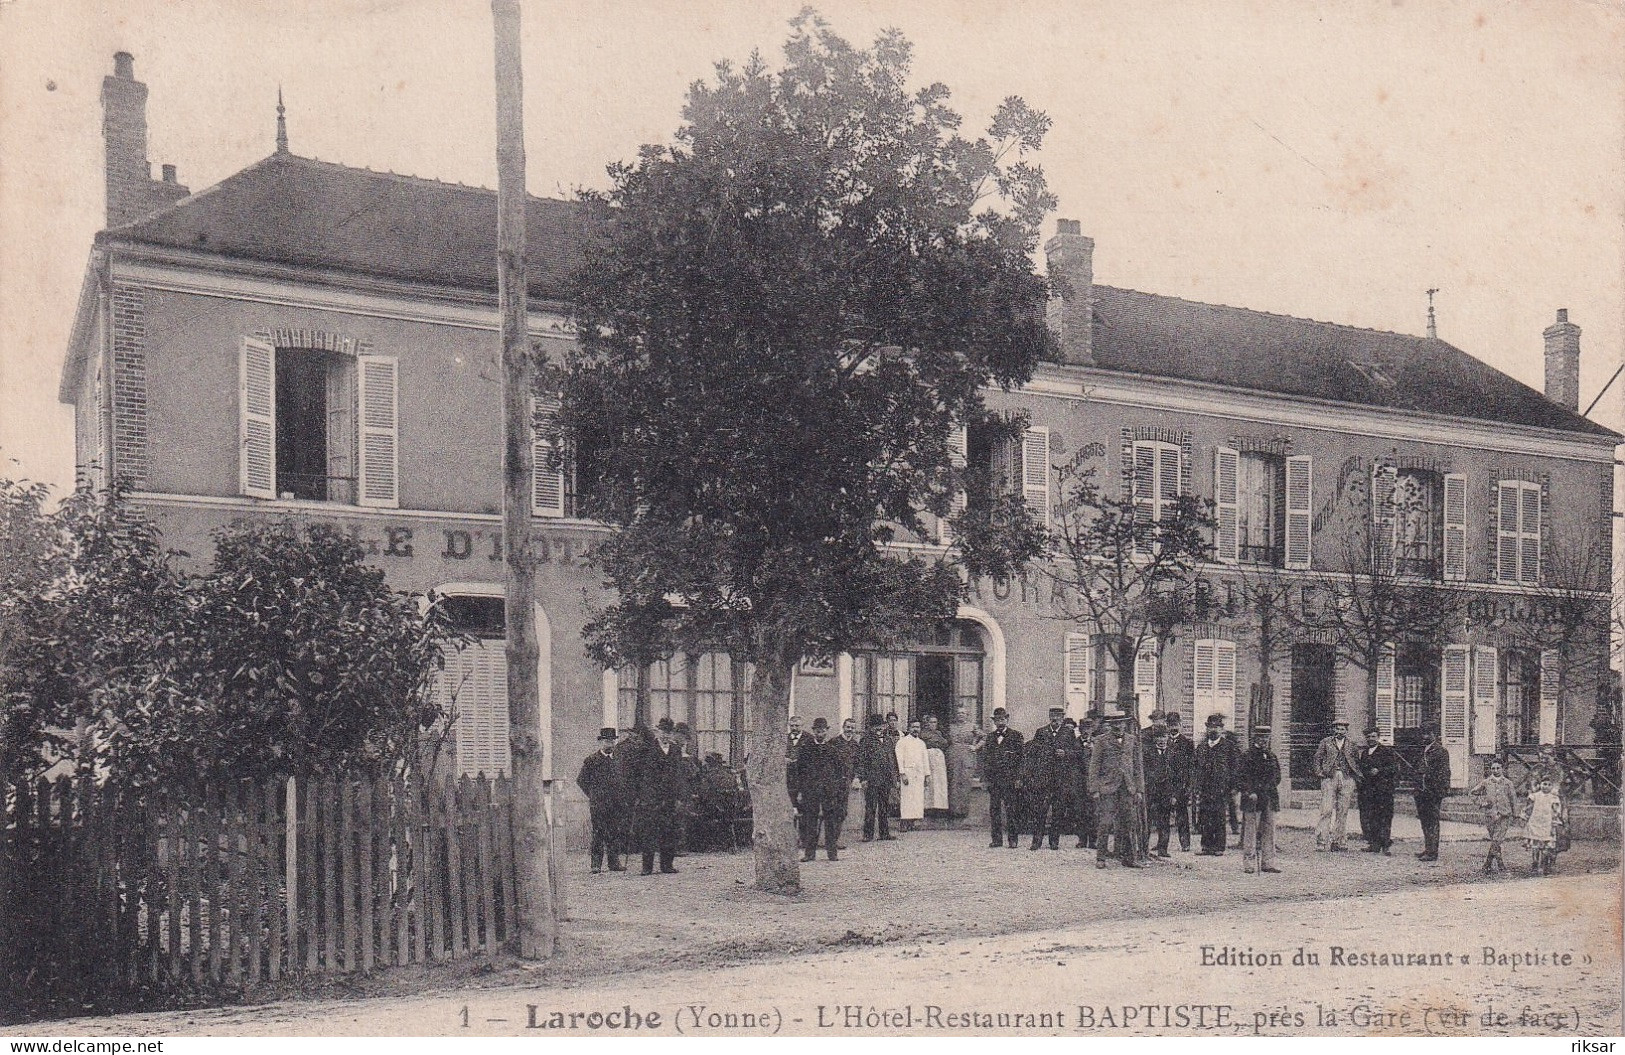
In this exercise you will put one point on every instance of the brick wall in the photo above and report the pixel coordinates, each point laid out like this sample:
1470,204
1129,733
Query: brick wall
130,385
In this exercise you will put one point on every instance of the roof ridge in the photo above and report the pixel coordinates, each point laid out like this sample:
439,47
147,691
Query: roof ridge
190,198
408,177
1279,315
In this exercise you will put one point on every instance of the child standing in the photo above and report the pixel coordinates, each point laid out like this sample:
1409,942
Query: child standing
1541,824
1498,801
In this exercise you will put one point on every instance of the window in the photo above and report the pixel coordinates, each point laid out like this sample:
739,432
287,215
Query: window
1263,504
1156,478
318,426
708,691
1016,466
561,488
1419,523
472,687
1519,507
1415,514
1213,670
1520,696
938,673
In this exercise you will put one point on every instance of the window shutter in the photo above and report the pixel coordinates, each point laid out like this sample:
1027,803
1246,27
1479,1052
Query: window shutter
547,482
1145,677
473,686
1300,475
1484,722
1529,534
1035,472
1455,527
1383,522
1167,477
1453,710
1506,534
1075,660
1145,482
379,444
1225,694
958,457
1548,696
1201,682
256,401
1226,468
1385,694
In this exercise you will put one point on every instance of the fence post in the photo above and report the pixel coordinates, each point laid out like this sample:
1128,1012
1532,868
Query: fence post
290,866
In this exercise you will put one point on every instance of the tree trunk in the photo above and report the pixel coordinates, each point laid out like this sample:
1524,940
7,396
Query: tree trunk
778,870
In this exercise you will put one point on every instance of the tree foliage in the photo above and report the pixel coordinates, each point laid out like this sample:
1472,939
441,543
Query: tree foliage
288,656
784,315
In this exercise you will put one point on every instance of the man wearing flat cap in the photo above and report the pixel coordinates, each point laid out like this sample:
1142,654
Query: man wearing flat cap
604,784
1339,772
820,792
1379,776
1258,777
1213,775
1001,769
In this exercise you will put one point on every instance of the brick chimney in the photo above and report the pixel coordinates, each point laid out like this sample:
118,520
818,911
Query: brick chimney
1070,259
131,191
1563,361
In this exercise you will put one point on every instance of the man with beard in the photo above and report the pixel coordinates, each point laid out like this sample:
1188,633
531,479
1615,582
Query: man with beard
1212,777
1001,769
876,771
1181,758
1117,785
1379,769
1159,787
1051,753
820,791
659,787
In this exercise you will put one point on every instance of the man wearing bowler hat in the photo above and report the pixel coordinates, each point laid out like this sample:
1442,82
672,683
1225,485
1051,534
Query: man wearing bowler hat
1050,756
659,788
1001,768
1213,775
820,792
602,781
1258,776
876,772
1379,776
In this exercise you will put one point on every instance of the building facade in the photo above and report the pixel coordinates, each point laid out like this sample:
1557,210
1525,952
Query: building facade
310,340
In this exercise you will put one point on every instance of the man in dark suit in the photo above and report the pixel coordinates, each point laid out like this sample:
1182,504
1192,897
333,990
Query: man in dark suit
1159,788
1181,758
792,742
1001,770
1258,780
1213,774
602,781
1083,819
820,791
659,781
1379,769
876,771
847,745
1432,785
1117,785
1050,756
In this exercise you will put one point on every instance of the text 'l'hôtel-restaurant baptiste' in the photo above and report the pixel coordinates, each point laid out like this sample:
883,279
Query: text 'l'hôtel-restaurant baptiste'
312,339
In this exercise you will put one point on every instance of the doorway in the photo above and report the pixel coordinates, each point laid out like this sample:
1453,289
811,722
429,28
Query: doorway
1314,693
934,689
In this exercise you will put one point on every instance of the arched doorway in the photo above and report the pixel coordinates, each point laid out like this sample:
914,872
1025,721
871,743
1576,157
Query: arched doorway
934,674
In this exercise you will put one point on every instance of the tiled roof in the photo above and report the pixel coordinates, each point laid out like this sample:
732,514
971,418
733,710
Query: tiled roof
298,211
292,210
1144,333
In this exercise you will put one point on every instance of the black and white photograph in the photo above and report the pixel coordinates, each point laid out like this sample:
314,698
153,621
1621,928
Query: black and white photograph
871,519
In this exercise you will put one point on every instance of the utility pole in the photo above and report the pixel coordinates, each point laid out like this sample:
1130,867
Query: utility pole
538,922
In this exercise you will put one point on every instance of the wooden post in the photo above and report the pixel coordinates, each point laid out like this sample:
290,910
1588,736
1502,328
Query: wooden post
537,925
290,869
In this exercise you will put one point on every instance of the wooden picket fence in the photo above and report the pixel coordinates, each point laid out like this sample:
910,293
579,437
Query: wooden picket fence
106,899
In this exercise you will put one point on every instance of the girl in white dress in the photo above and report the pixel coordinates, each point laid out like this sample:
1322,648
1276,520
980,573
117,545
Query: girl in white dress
1541,825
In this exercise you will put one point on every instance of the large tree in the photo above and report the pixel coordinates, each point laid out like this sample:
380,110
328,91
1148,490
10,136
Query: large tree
784,315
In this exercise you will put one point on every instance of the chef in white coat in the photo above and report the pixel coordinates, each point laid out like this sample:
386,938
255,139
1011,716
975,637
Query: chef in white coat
914,768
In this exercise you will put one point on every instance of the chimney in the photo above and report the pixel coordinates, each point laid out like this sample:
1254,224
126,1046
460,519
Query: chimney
131,191
1070,260
1563,361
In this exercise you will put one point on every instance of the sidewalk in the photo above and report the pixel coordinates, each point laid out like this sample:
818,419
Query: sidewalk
1406,827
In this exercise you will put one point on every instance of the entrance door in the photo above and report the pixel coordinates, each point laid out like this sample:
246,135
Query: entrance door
934,689
1314,685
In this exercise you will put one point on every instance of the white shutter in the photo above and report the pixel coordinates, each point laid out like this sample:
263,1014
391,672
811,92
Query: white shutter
1549,664
1384,675
1484,711
1455,527
1167,477
379,447
1075,662
547,482
1506,532
256,401
1226,501
1384,524
1226,694
1453,711
1145,677
473,687
1145,482
1300,476
1529,534
1201,681
958,457
1035,472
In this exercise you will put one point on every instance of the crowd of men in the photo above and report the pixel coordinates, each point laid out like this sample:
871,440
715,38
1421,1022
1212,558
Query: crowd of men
1123,792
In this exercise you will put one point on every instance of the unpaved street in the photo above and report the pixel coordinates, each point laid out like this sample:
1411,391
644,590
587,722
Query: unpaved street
1118,977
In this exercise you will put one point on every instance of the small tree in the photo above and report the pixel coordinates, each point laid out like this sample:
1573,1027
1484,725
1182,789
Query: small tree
783,318
1568,614
1274,602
